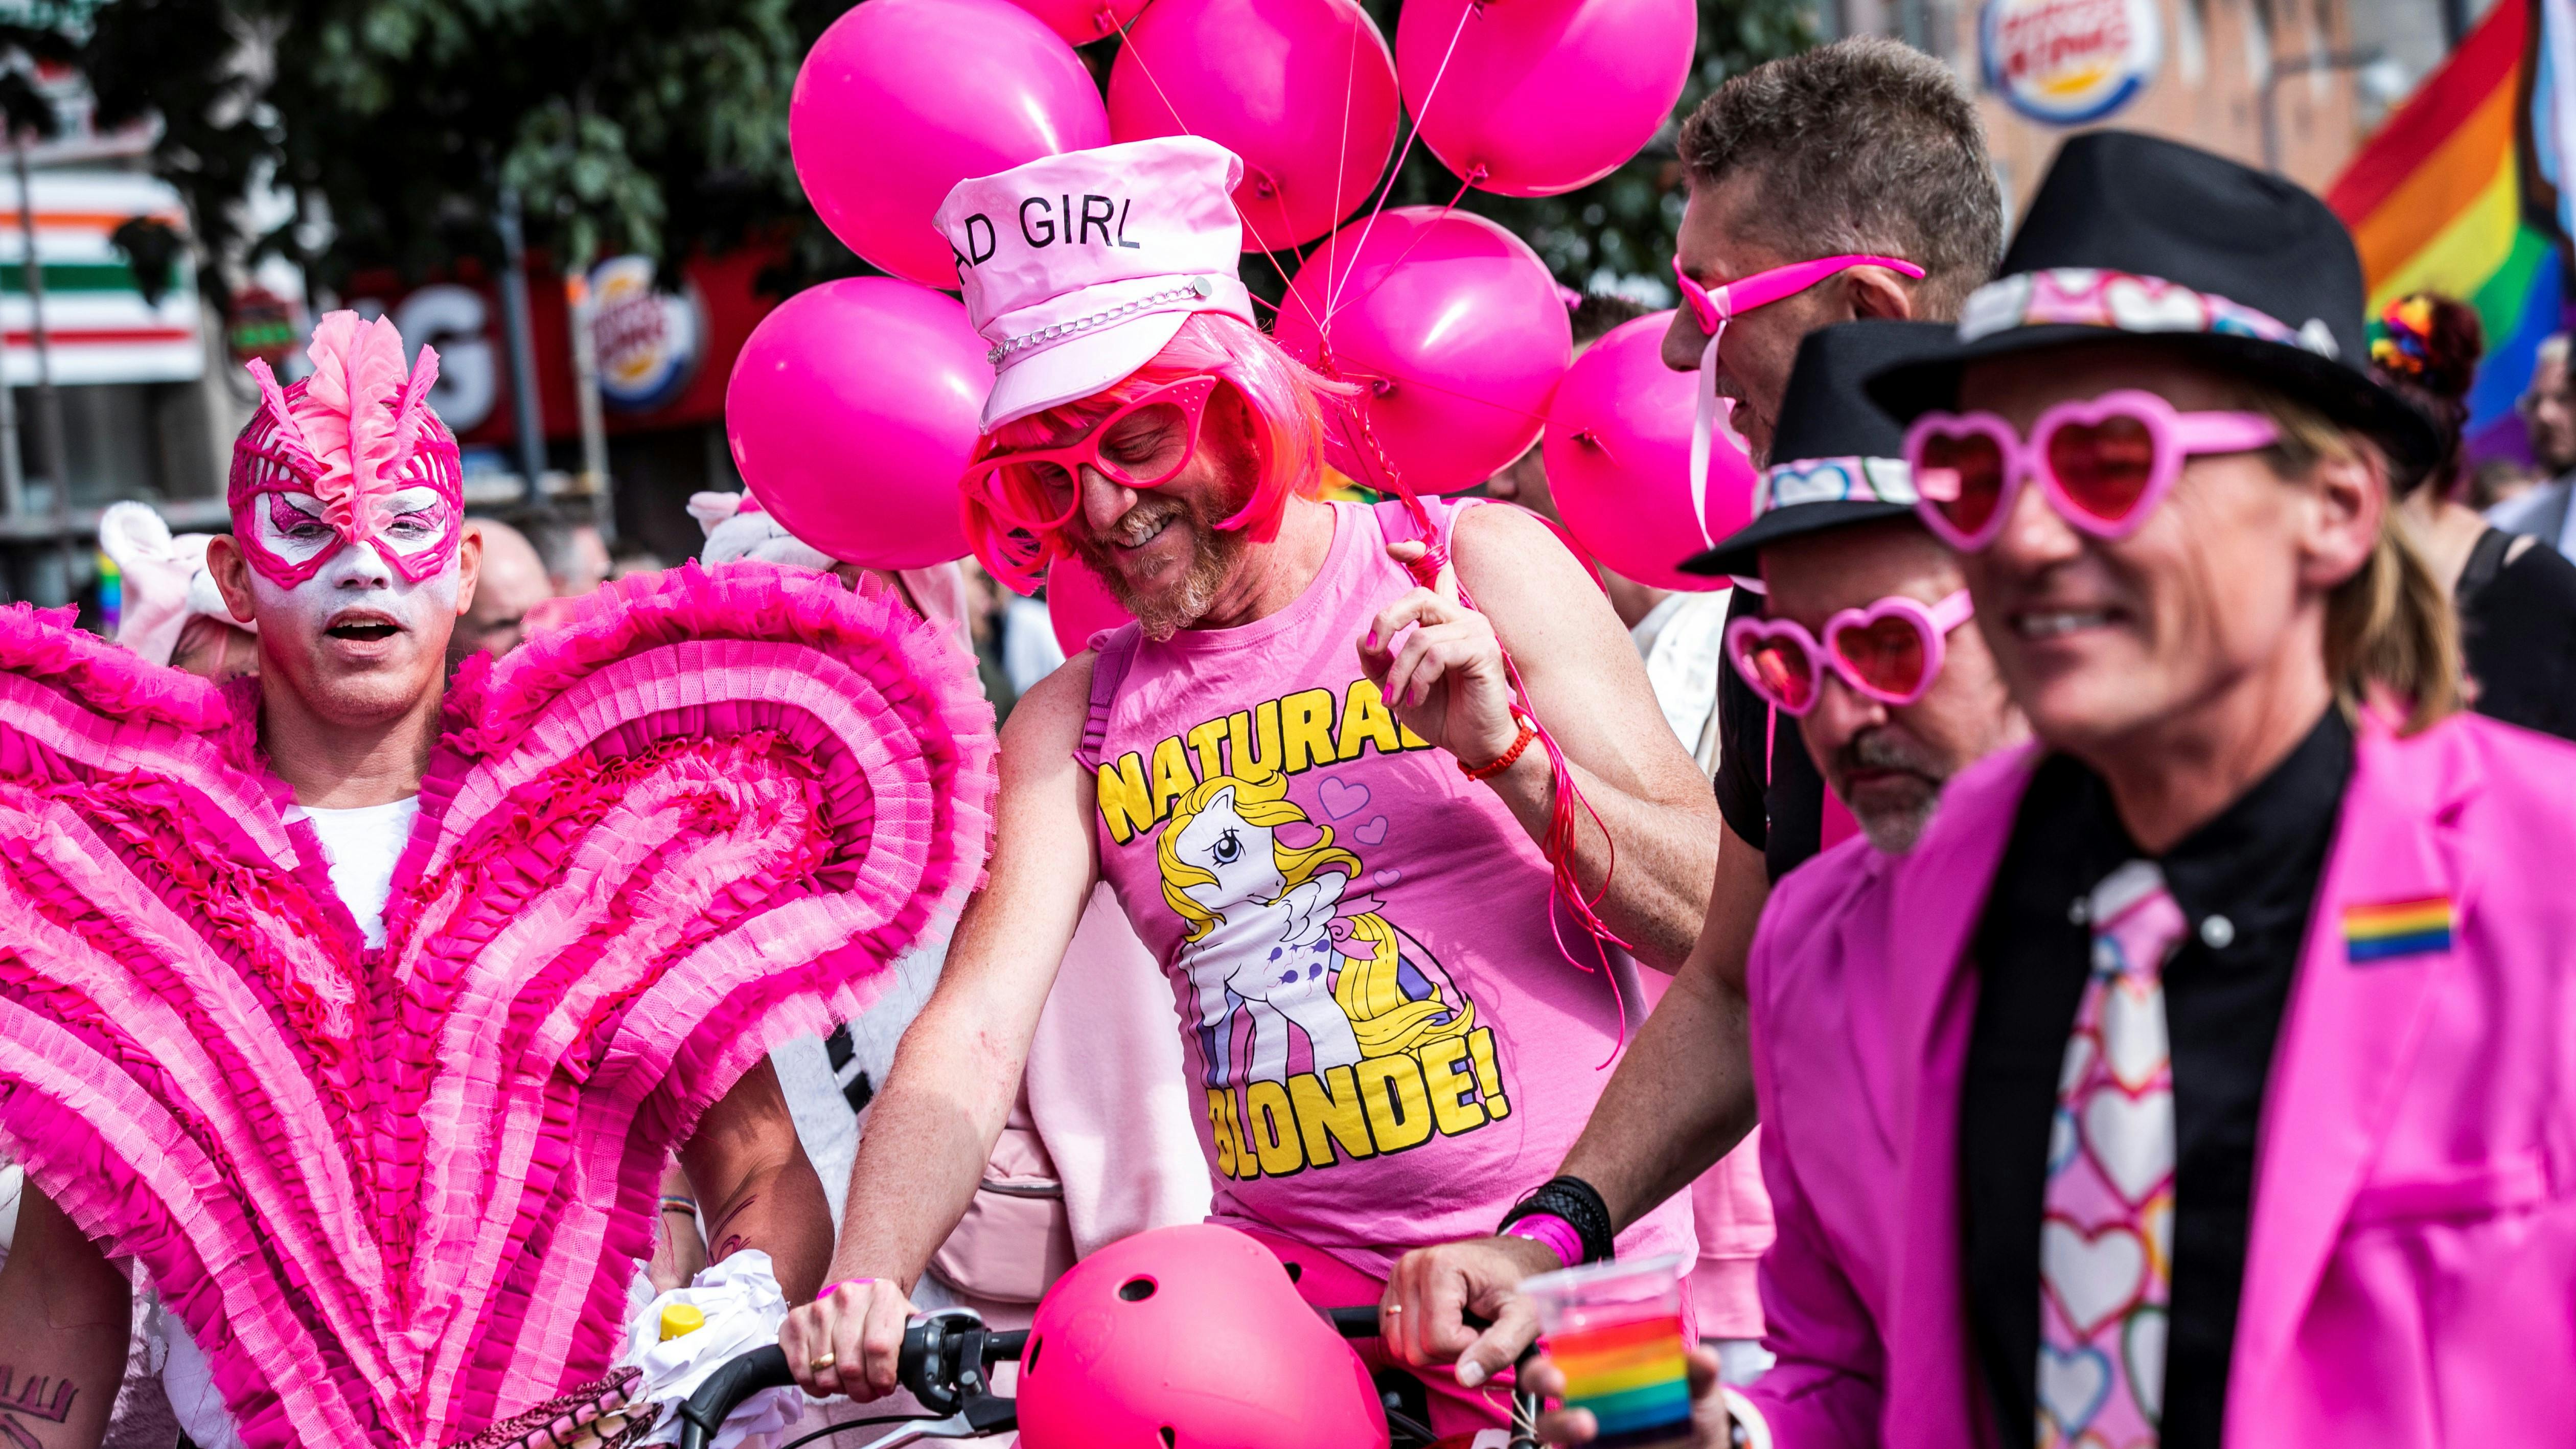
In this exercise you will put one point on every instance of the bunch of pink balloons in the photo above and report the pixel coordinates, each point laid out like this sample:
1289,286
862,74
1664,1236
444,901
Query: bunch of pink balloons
1303,90
1618,461
1452,329
853,408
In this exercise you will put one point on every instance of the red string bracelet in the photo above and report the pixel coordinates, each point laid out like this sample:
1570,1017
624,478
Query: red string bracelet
1505,760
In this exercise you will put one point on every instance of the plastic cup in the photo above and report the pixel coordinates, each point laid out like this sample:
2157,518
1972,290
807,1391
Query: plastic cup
1615,1331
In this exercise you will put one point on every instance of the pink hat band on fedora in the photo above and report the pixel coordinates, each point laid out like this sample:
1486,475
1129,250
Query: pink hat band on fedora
1079,268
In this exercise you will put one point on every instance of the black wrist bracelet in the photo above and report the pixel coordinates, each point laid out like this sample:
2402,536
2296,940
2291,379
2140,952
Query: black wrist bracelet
1575,1201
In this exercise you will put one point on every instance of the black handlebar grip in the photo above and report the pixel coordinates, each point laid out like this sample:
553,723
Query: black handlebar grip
1352,1322
908,1359
1362,1322
719,1396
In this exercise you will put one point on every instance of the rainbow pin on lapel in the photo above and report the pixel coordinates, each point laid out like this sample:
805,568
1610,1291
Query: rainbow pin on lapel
2390,929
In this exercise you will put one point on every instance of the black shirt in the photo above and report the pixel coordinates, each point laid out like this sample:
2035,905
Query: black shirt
1771,794
2518,629
2254,867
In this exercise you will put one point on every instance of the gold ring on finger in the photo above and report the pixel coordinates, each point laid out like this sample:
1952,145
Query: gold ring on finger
820,1364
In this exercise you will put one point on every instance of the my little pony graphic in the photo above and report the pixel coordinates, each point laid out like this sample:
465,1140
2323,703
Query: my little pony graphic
1276,939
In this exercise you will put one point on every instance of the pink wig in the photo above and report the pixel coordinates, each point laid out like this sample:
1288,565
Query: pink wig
1286,401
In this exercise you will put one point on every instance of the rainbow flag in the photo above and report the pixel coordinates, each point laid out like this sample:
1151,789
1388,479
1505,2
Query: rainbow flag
2435,203
2396,928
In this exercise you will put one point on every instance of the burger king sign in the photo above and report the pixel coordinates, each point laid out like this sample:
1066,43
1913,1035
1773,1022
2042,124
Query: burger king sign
2066,62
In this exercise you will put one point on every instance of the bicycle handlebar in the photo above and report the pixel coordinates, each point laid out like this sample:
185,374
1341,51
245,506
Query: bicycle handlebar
945,1361
736,1381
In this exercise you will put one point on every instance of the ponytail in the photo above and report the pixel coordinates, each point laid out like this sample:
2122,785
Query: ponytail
2391,632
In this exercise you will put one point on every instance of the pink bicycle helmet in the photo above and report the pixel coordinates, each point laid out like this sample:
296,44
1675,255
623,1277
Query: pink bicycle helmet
1190,1338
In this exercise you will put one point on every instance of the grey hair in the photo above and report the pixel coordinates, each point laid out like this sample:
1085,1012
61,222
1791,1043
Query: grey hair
1864,145
2552,353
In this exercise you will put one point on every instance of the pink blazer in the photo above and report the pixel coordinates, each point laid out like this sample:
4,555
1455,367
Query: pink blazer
2411,1269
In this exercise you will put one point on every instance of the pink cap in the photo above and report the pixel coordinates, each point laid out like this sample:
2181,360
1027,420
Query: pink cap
1079,268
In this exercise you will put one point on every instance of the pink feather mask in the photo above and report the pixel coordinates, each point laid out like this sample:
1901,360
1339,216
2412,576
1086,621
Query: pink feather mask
351,454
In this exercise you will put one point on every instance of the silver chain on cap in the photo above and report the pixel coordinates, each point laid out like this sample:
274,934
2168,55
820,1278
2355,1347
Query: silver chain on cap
1199,287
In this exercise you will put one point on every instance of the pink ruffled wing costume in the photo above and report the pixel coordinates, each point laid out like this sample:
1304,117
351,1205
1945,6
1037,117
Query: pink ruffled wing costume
397,1194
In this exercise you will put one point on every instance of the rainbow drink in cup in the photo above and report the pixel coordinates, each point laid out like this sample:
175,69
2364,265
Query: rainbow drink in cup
1615,1330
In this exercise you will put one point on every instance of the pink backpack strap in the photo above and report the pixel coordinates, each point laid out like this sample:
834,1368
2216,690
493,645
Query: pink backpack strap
1116,655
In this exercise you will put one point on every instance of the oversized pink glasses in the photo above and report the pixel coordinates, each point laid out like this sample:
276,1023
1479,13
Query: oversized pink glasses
1890,651
2103,463
1140,445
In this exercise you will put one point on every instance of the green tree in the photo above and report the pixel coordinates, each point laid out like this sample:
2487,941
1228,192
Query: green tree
656,126
626,126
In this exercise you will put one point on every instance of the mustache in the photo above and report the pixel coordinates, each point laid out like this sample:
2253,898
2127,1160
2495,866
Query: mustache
1144,520
1883,749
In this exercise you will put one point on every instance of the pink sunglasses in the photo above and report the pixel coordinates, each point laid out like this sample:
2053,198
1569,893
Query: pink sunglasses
1890,651
1714,305
2103,463
1140,445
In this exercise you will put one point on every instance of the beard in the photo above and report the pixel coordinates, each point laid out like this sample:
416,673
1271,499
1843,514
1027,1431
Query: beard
1893,810
1167,609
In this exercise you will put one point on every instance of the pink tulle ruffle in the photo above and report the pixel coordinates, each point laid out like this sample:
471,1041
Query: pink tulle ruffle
42,644
396,1195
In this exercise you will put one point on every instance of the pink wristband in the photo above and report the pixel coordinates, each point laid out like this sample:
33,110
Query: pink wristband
844,1283
1551,1232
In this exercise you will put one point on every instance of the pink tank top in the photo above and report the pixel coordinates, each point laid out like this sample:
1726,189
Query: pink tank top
1386,1046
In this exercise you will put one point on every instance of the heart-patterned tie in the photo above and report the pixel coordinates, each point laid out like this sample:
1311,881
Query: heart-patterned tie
2106,1240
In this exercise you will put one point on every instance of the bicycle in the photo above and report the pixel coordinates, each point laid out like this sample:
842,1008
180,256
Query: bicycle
947,1361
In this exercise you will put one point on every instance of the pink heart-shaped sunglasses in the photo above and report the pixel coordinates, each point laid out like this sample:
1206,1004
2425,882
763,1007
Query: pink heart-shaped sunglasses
2103,463
1889,651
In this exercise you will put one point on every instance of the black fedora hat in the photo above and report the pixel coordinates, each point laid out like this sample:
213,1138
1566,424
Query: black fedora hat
2149,237
1843,457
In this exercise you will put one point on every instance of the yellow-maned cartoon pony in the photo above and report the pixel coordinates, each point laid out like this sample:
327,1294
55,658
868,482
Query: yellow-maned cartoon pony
1276,937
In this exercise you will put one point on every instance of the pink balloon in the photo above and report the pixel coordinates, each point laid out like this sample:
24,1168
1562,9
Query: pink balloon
902,99
1455,327
1618,461
1081,22
1302,90
1079,605
852,412
1544,95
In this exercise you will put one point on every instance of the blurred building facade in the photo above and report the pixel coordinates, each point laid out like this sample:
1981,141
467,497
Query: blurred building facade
2292,85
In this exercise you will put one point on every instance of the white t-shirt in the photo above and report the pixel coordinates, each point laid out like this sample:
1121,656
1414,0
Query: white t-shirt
1683,644
365,844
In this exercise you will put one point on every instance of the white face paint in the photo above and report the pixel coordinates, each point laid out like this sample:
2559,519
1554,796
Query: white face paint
381,617
293,525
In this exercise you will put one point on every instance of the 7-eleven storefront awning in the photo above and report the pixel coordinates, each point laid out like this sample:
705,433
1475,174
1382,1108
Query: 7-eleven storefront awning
100,327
